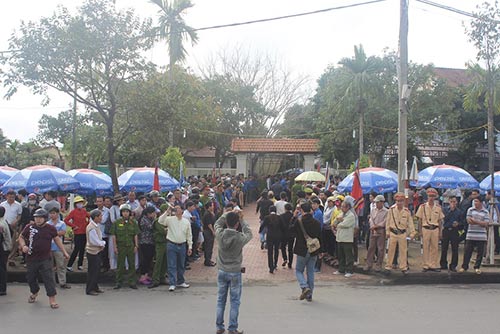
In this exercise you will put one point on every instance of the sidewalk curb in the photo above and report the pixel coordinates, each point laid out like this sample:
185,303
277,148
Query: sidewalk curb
392,278
443,278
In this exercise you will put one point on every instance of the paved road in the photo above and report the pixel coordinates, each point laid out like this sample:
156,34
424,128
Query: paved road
337,307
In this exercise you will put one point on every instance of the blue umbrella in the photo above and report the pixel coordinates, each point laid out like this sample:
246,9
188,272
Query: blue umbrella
6,173
40,179
372,179
141,180
444,177
92,182
486,183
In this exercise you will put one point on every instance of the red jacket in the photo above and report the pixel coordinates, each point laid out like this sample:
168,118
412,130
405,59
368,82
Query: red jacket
78,219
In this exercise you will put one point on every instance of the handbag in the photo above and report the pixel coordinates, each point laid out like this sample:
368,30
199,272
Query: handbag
312,244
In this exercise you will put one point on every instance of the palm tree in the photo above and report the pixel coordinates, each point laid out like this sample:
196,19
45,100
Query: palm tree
173,29
358,77
476,98
4,141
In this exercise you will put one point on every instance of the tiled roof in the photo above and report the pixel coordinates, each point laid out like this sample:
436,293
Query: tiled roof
205,152
454,77
271,145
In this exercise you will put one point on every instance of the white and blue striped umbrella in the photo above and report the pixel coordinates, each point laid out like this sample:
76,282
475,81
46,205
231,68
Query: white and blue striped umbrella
92,182
372,179
445,177
141,180
41,178
486,183
6,173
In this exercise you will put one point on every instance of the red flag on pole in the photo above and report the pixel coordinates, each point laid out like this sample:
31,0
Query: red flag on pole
156,179
214,178
357,191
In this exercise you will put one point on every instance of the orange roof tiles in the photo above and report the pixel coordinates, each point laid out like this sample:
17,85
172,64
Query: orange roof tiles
454,77
272,145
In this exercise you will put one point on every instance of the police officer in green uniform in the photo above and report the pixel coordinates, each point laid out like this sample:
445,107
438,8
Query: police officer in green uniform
125,229
160,237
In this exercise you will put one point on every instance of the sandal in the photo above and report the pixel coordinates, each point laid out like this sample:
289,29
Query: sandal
54,306
32,298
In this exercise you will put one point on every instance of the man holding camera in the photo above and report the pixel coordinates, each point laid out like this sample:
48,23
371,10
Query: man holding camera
230,243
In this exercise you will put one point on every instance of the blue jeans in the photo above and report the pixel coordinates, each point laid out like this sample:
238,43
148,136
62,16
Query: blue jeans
228,282
308,263
176,258
262,234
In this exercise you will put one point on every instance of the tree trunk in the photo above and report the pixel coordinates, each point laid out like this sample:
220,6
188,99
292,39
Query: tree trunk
111,155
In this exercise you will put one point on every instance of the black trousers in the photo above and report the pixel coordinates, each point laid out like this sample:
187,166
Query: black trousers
273,247
94,265
208,246
147,253
4,255
497,239
346,256
328,240
195,230
105,255
44,269
450,236
79,249
355,249
469,248
288,247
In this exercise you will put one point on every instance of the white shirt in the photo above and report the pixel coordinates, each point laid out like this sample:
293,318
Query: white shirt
188,215
280,207
12,211
133,205
105,215
178,230
94,237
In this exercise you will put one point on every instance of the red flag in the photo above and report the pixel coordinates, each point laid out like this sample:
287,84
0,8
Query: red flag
156,179
357,191
214,177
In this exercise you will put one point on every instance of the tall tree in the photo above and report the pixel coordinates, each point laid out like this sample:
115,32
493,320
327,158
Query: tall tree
173,28
96,51
236,112
359,76
484,33
275,87
335,121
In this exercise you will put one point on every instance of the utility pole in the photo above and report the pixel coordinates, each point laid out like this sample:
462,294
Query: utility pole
403,87
361,126
73,125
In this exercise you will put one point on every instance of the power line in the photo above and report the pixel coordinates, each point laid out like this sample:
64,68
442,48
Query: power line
448,8
287,16
266,19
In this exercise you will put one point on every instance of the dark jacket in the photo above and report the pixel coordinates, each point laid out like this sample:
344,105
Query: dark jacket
276,229
313,229
263,207
287,219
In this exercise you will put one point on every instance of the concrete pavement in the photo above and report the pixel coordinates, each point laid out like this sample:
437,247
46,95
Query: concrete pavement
273,308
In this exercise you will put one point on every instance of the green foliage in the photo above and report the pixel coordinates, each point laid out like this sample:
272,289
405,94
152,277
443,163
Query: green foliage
21,155
484,32
172,28
298,122
90,56
368,86
364,162
171,161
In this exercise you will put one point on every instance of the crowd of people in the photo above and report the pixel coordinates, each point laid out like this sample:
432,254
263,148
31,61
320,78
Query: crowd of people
449,218
151,239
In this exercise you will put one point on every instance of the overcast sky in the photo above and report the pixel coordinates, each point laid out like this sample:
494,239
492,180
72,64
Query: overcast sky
307,45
